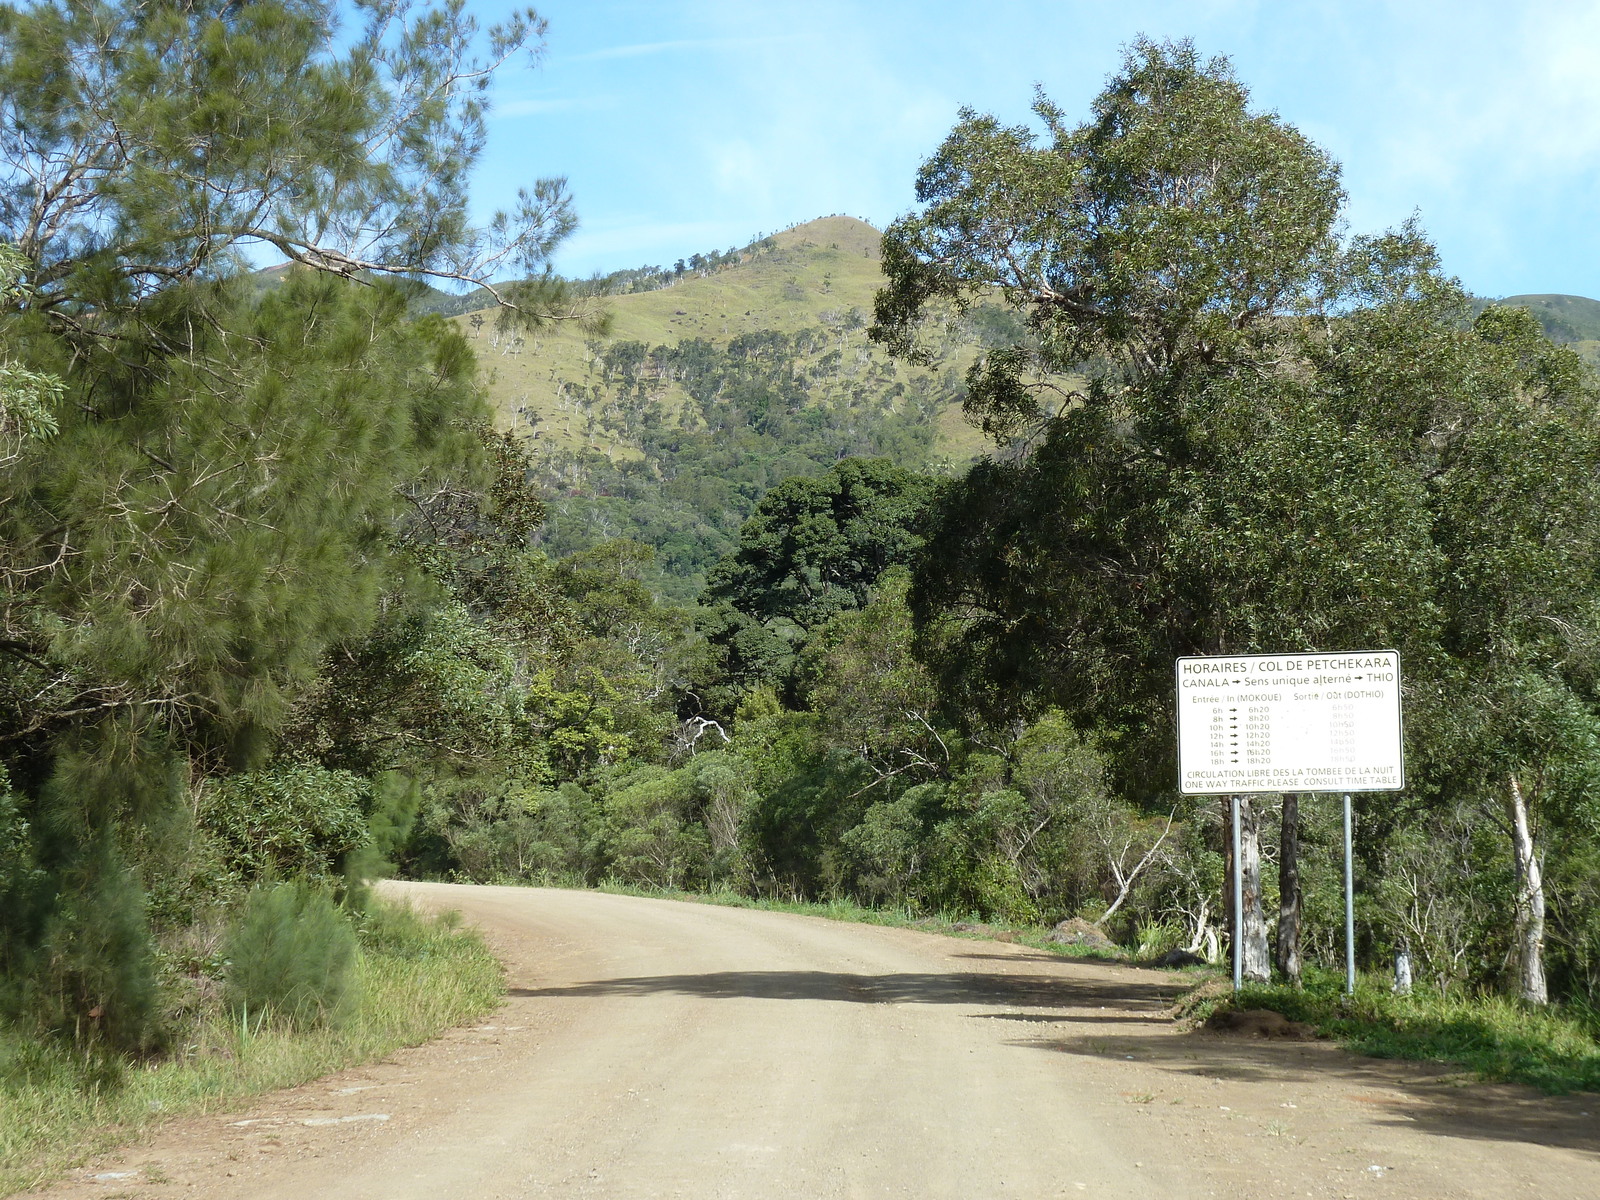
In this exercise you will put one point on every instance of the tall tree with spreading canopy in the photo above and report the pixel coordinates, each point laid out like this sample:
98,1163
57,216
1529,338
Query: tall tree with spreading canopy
814,548
207,485
1186,462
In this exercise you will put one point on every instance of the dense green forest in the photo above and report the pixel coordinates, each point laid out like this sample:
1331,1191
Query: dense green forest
759,416
286,605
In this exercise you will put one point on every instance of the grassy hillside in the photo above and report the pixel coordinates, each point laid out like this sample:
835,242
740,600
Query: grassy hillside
1565,318
817,279
1572,320
706,392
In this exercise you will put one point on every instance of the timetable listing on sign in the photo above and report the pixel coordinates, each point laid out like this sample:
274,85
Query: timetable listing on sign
1290,723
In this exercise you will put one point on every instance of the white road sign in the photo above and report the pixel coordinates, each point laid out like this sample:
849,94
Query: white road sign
1290,723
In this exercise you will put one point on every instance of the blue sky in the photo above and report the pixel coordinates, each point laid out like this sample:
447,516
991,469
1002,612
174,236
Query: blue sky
693,125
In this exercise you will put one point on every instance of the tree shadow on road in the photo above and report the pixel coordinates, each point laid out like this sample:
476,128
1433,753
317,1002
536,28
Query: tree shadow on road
1137,1000
1057,960
1074,1018
1416,1096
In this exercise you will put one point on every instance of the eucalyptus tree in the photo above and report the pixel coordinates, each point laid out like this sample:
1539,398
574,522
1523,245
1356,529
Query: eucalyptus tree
1165,235
1167,489
1227,430
1156,253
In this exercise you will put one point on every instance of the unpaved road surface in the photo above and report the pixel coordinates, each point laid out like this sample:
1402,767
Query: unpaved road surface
658,1049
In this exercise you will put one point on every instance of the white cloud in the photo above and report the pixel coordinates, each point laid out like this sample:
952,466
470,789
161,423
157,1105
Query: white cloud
687,46
713,119
1492,129
536,106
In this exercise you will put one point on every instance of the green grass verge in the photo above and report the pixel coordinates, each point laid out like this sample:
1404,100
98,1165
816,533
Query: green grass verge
1553,1048
57,1107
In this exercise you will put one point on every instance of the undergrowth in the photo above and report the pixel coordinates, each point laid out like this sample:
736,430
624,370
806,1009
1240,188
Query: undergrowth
1554,1048
413,978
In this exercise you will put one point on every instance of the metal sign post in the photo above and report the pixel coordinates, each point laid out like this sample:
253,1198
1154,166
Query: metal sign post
1238,899
1257,723
1349,907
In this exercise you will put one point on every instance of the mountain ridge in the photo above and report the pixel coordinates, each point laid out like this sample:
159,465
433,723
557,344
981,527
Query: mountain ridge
705,393
819,275
1569,320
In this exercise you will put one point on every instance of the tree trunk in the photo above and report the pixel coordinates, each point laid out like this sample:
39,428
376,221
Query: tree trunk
1228,865
1529,933
1402,970
1256,966
1288,950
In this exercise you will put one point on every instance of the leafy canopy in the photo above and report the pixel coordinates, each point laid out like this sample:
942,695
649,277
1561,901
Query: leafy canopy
1172,228
1227,431
223,507
142,144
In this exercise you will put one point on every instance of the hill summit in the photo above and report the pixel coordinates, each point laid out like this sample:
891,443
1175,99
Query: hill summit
815,279
716,381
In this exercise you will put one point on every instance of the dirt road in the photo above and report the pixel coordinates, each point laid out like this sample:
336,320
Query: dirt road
658,1049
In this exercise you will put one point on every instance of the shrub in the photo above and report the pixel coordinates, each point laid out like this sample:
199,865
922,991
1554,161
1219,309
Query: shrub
293,820
651,838
889,844
291,955
97,975
506,830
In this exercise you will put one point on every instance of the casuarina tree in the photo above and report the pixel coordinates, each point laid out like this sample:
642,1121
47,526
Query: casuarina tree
206,474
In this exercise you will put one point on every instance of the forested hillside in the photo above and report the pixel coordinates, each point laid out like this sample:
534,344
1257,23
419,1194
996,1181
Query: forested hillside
715,383
732,370
1570,320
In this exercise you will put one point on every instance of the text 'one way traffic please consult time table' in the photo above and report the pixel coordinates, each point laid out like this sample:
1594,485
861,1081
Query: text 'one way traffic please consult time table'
1251,723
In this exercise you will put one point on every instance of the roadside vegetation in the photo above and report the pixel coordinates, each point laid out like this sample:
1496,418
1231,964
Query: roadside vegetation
408,980
1490,1035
